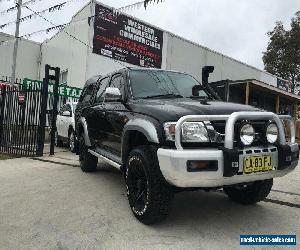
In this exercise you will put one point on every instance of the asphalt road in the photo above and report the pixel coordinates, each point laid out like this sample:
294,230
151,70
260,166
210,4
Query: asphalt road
53,205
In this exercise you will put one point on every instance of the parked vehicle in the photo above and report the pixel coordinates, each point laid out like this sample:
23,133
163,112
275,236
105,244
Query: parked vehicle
65,125
167,132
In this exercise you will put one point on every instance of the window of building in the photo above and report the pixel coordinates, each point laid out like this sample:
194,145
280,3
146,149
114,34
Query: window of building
63,78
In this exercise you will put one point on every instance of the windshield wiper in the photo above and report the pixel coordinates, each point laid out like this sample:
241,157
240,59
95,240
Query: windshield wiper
164,96
199,97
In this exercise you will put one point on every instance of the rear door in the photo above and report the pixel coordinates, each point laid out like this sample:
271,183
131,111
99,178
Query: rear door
85,103
95,113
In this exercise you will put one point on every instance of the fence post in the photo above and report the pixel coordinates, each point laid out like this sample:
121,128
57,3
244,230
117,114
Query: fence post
54,111
44,101
2,101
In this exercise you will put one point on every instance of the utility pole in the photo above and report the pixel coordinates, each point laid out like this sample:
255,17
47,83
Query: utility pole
13,75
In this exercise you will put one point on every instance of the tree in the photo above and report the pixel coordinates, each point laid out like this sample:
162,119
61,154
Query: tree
282,57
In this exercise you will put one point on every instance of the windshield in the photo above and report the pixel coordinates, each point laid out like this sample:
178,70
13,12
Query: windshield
156,83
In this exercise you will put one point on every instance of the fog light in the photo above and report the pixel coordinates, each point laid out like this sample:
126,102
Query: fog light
272,133
197,166
247,134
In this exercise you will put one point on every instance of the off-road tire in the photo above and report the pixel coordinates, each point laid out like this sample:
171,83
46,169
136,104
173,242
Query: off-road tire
158,195
72,140
88,162
250,194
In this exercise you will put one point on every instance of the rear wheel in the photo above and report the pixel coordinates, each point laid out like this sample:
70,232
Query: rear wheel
88,162
148,192
250,193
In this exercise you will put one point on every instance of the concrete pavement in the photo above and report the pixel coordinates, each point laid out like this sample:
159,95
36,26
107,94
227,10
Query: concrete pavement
52,204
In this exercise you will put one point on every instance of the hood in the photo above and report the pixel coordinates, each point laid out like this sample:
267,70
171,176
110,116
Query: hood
166,110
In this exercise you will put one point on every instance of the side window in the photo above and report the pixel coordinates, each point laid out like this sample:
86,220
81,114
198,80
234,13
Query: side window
88,93
103,84
117,81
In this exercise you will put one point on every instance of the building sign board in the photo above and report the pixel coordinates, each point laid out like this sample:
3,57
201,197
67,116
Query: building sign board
125,39
63,89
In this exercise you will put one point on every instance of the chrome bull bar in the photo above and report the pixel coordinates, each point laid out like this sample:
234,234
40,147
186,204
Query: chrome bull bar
231,120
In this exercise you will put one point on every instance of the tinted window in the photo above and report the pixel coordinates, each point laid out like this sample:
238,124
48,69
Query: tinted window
88,93
117,82
157,82
103,84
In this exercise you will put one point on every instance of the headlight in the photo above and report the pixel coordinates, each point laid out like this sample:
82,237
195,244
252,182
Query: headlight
247,134
272,133
190,132
194,132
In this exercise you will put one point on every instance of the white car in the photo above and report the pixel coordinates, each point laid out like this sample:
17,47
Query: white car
65,124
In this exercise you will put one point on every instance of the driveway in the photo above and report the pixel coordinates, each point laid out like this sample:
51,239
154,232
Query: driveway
51,204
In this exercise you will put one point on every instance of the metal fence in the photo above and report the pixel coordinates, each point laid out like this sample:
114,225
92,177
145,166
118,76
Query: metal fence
20,112
27,108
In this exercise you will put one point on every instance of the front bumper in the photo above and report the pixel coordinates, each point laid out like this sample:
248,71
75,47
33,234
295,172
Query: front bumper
173,165
173,162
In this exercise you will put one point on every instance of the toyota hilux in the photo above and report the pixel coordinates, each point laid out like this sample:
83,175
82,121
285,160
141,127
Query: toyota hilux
167,132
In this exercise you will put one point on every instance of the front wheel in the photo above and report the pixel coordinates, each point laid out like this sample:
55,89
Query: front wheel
148,193
250,193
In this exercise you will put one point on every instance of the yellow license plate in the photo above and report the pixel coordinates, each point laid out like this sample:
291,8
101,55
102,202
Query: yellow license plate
259,163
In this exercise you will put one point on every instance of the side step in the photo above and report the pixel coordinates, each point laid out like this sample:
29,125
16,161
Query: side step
104,158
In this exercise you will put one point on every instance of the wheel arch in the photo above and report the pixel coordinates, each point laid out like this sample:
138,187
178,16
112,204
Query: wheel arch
137,132
82,130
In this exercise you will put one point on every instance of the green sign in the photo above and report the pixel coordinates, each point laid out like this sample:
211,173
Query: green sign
63,89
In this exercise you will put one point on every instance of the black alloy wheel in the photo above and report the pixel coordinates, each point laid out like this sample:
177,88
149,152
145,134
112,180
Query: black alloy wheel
149,194
139,186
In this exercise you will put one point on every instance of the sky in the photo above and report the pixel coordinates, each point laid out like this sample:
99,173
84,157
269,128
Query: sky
236,28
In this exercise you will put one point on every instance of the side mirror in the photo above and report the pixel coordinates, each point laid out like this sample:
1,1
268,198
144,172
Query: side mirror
112,94
196,89
66,113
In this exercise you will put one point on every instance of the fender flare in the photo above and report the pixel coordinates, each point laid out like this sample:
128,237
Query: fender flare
147,128
82,123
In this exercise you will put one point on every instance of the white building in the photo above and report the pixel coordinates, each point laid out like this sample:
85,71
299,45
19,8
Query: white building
80,63
28,58
72,50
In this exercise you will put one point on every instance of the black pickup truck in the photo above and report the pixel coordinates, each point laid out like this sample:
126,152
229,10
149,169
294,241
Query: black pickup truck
167,132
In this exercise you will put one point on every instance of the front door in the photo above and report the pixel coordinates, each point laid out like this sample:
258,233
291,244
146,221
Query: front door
115,119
